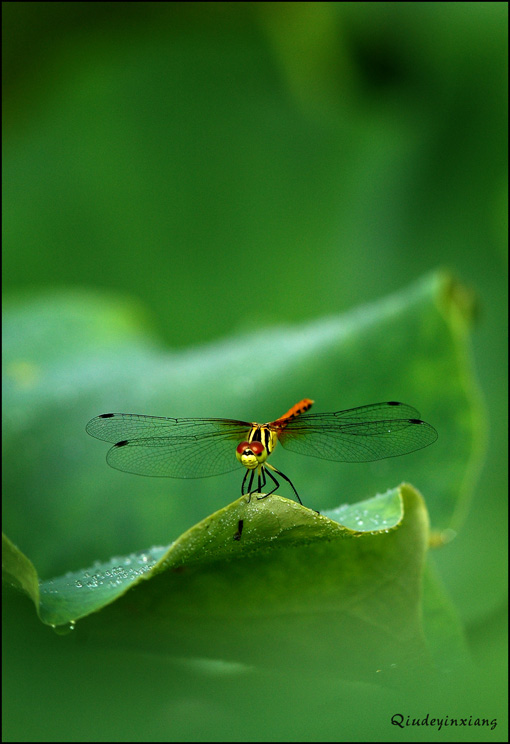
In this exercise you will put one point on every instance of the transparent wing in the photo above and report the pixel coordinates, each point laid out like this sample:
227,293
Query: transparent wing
362,434
372,412
115,427
166,447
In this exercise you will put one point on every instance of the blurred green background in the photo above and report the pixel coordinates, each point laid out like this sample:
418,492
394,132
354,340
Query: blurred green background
218,168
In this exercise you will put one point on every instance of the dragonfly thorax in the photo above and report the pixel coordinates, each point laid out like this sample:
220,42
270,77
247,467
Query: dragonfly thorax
264,435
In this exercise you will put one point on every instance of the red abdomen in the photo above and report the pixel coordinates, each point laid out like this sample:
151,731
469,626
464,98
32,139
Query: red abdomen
292,413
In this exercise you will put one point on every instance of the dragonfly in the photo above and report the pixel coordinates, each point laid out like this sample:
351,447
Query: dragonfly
203,447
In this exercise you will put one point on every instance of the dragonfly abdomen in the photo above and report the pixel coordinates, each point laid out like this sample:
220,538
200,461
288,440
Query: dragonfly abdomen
296,410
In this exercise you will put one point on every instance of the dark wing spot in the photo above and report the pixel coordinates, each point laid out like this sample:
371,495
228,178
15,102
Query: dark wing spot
121,444
106,415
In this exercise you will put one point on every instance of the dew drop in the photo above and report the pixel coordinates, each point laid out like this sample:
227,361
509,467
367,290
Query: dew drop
66,629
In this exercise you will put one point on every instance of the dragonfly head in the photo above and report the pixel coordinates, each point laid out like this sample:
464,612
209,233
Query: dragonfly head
251,454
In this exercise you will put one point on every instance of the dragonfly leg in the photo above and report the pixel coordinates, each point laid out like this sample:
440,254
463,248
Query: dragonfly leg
244,481
248,492
285,478
262,478
274,489
261,481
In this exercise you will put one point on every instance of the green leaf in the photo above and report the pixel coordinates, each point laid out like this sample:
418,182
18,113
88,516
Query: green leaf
18,571
292,574
242,528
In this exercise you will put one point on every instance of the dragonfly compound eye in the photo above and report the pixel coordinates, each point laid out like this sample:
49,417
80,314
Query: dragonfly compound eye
251,454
